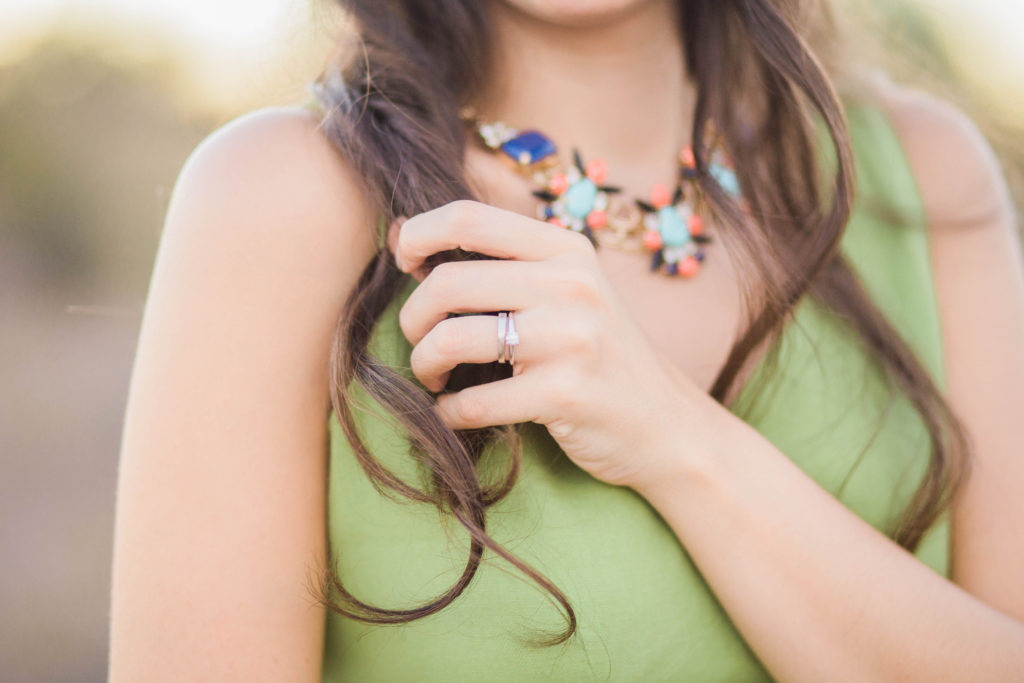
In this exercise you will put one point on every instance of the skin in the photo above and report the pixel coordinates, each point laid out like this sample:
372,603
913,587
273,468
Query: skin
222,481
222,484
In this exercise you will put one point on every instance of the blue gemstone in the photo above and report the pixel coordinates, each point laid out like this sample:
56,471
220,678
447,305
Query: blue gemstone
699,255
672,269
529,147
549,212
674,232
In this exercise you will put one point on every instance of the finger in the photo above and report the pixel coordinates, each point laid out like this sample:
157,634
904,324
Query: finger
505,401
474,339
474,226
393,230
474,287
392,240
485,286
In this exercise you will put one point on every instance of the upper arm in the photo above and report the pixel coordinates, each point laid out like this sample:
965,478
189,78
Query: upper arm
220,524
979,280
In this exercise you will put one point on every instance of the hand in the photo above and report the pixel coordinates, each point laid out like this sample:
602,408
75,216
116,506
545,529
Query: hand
583,369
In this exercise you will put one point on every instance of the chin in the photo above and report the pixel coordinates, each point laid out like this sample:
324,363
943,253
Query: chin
578,12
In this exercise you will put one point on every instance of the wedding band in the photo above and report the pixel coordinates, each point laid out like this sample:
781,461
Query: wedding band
502,322
511,338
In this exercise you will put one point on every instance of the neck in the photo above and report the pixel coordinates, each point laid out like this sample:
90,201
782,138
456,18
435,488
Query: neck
615,88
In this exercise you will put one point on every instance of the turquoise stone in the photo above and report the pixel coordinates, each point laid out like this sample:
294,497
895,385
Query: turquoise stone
726,178
579,198
674,232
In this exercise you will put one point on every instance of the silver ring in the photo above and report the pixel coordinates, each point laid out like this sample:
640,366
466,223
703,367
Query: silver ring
502,321
511,338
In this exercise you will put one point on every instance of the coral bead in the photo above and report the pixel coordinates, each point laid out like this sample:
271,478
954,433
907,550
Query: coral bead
660,196
686,157
652,240
696,225
555,221
689,266
558,183
597,170
597,219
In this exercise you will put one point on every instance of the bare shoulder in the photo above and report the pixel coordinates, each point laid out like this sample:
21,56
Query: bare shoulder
958,174
275,175
267,222
220,526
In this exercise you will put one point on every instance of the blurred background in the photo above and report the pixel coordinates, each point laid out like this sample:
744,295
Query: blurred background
101,101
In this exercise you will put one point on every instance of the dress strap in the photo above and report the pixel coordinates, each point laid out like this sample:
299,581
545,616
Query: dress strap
887,240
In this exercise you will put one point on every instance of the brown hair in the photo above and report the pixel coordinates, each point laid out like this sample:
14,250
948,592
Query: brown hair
392,109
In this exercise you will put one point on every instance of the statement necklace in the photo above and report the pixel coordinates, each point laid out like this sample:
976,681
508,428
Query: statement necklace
668,222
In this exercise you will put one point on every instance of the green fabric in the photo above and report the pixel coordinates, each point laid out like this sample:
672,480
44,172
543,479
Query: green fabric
645,613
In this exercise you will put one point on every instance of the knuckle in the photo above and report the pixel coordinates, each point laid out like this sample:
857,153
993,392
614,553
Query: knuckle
580,284
447,338
463,216
440,283
582,336
467,410
560,429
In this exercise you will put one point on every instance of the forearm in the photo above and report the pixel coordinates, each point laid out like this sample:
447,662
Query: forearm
817,592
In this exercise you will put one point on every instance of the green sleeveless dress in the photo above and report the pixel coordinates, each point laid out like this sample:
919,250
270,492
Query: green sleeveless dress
645,613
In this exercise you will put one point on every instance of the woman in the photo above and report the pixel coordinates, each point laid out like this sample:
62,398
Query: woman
657,519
